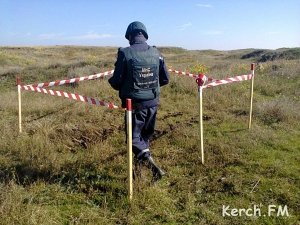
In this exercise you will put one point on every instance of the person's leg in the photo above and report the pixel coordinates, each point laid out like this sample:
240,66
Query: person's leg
139,146
143,123
147,132
149,127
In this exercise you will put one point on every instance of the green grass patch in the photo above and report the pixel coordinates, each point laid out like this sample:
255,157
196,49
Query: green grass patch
69,164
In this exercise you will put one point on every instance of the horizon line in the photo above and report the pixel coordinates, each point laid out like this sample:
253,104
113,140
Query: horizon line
108,46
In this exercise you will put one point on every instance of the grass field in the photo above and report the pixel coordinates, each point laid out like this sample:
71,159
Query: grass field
69,164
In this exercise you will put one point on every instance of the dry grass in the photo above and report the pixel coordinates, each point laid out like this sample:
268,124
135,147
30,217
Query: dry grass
69,165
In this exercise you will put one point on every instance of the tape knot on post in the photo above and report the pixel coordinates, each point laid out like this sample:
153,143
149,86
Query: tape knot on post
128,104
201,80
18,81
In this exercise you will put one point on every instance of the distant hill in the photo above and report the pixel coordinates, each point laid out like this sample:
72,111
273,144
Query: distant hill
271,55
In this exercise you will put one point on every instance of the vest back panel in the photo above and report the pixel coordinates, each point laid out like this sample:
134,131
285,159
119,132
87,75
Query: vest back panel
142,78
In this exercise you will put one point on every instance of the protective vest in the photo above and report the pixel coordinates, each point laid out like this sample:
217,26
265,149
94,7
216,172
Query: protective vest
142,80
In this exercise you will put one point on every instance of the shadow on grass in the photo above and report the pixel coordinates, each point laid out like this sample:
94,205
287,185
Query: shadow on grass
177,125
235,130
51,113
79,177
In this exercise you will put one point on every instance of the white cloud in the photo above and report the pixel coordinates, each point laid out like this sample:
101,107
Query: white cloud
51,36
204,5
62,36
91,36
185,26
212,32
272,33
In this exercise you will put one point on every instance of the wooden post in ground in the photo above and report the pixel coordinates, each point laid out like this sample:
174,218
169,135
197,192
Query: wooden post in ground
200,82
251,94
129,146
18,81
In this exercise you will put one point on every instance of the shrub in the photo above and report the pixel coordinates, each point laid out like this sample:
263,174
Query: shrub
198,68
81,71
278,110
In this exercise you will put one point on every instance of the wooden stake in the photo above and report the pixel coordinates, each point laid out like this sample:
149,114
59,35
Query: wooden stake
200,82
129,146
201,124
19,101
251,94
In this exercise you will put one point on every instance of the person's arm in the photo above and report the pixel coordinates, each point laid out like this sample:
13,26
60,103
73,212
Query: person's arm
163,72
116,80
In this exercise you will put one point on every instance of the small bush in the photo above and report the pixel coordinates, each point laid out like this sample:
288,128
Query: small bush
81,71
198,68
279,110
239,69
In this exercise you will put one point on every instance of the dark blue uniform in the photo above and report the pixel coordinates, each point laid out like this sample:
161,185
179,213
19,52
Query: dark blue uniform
145,100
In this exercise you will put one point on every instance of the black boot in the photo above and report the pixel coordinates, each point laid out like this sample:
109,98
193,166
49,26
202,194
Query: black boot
157,172
137,169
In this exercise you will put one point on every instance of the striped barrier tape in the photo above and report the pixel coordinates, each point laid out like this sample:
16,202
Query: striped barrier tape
72,80
190,74
96,76
99,75
211,81
39,87
183,73
228,80
73,96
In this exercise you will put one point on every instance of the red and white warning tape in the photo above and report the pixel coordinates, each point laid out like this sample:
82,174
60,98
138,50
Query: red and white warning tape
183,73
228,80
76,97
69,81
39,87
213,82
189,74
99,75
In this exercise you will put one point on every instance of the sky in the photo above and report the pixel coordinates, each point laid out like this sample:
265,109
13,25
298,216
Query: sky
190,24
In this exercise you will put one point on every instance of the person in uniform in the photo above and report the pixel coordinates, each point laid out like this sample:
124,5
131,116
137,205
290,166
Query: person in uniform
139,73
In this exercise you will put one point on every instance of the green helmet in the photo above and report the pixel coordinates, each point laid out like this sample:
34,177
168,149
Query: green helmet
136,27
